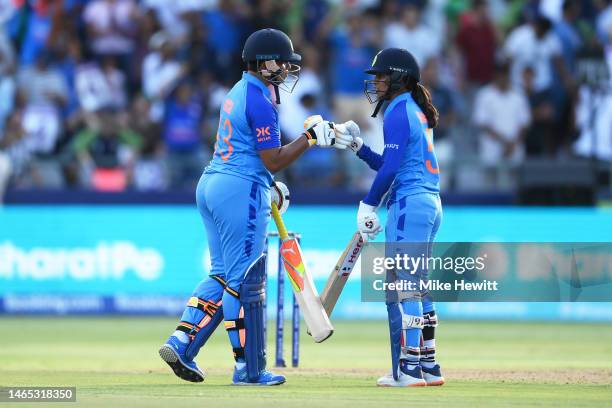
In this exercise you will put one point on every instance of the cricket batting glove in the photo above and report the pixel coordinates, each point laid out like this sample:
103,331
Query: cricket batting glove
367,221
319,132
351,129
280,196
343,136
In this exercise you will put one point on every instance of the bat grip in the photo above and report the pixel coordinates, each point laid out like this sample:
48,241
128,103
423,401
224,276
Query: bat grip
280,225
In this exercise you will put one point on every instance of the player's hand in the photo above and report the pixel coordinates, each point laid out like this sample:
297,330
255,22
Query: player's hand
343,135
352,132
367,221
279,194
319,132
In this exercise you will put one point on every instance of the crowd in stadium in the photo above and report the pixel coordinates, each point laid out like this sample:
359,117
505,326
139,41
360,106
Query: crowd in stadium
123,94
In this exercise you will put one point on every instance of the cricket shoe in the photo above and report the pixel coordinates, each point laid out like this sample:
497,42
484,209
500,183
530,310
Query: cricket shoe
173,353
265,378
407,378
433,375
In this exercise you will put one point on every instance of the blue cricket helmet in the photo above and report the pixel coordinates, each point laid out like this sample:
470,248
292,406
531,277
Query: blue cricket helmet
269,44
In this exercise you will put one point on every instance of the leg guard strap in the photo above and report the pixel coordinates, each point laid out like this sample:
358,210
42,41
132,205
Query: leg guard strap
237,324
430,319
232,292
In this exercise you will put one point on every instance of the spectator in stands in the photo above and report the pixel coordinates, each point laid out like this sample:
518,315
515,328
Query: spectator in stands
411,33
7,90
604,26
182,136
315,16
70,57
169,13
5,173
42,84
38,27
595,125
501,113
44,93
476,38
198,52
101,85
540,137
15,152
7,80
161,72
111,26
568,33
351,53
535,44
106,150
227,26
150,170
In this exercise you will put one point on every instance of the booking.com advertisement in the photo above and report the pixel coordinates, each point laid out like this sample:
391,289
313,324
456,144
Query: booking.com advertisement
147,260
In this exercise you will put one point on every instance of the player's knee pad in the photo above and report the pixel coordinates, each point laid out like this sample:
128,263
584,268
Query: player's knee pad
250,324
213,315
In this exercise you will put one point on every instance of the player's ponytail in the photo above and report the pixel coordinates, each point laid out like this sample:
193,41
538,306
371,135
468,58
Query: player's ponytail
422,97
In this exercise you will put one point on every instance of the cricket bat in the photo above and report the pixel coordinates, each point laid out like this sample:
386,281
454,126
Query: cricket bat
341,272
306,293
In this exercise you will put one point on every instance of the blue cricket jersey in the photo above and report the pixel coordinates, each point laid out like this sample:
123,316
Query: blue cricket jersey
248,123
408,164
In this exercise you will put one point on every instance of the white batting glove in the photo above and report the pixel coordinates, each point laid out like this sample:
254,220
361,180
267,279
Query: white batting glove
279,194
351,129
319,132
343,136
367,221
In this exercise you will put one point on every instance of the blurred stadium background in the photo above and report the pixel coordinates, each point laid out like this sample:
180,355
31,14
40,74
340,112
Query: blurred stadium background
109,109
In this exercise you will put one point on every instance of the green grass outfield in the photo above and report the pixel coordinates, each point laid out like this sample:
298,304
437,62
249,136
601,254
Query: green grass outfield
113,362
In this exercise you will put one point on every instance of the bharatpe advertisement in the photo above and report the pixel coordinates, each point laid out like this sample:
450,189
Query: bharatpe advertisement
136,260
487,272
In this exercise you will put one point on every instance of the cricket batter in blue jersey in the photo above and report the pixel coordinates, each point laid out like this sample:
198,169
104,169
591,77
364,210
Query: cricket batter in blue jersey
408,170
233,198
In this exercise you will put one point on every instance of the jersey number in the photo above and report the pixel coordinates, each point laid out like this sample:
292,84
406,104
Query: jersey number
431,163
224,147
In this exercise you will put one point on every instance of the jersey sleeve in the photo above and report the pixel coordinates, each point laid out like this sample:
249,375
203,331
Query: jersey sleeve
373,159
263,119
396,131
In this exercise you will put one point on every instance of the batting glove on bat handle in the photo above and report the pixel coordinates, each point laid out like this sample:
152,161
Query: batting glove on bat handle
367,221
279,193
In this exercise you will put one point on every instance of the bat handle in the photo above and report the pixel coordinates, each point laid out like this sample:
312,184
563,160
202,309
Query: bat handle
280,225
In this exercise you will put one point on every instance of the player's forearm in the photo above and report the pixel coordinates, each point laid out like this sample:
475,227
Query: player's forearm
373,159
278,159
381,185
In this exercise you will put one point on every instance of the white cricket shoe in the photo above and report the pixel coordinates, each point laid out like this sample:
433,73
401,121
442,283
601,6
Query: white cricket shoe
413,378
433,375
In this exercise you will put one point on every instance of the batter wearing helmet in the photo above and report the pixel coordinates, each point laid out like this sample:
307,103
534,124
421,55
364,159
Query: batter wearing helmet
233,198
409,172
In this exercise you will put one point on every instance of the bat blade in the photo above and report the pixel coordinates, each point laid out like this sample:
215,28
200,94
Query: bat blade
341,272
317,320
